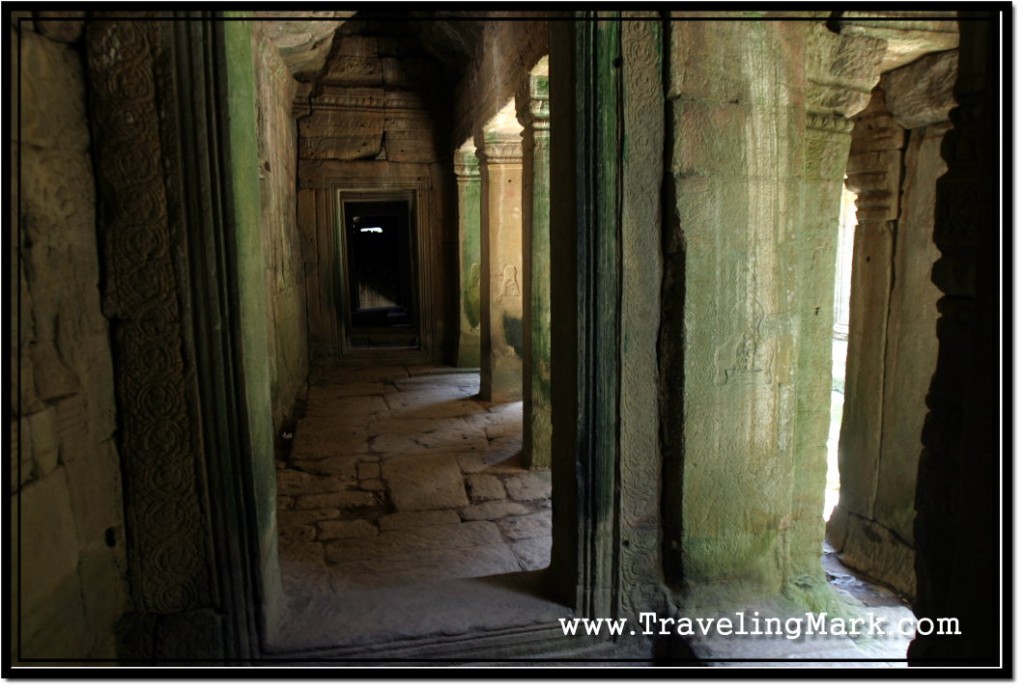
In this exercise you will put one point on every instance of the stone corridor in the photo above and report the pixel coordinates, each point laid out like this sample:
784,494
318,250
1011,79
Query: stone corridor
400,474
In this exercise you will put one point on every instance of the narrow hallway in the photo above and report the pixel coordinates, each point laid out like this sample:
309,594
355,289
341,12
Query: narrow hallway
399,475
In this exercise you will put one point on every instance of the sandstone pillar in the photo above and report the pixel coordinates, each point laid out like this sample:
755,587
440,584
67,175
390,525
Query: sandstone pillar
759,142
537,305
501,251
841,71
892,317
467,178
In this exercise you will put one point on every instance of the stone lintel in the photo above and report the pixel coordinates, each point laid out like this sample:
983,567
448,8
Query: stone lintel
921,93
842,70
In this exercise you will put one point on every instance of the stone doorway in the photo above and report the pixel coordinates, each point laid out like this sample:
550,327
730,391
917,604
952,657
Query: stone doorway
378,272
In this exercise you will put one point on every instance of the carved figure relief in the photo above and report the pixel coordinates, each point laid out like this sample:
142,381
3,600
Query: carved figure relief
510,284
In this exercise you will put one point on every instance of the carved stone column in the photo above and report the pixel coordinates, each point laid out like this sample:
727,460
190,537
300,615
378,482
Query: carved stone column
467,178
842,69
537,307
501,232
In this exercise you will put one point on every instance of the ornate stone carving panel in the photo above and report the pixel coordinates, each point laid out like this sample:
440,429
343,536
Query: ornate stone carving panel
145,295
641,469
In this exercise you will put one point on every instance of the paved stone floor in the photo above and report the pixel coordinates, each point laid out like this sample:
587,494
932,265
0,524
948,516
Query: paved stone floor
400,475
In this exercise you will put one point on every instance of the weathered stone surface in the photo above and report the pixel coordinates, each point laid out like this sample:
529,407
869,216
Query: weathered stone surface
57,205
72,588
339,403
488,511
49,546
341,500
53,95
60,26
430,378
417,519
485,487
298,533
842,69
907,34
537,525
39,440
431,403
104,593
295,482
454,438
346,124
500,462
290,519
424,566
93,484
308,447
303,570
341,468
373,485
533,553
922,92
345,530
304,42
368,471
530,486
400,544
358,389
427,482
870,548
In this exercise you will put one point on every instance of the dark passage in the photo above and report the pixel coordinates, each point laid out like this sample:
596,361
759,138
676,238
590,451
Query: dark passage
381,301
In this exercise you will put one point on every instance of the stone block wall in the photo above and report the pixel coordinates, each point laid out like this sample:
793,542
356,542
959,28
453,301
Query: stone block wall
66,521
894,165
286,287
375,119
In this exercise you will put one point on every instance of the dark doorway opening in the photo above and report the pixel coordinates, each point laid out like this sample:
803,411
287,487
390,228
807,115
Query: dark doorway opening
381,304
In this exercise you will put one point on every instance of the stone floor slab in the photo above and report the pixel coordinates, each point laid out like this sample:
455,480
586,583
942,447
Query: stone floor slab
410,520
484,487
421,483
529,486
491,510
344,500
537,525
401,544
533,553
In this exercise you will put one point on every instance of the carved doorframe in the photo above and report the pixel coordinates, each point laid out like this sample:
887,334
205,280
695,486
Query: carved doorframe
416,190
158,116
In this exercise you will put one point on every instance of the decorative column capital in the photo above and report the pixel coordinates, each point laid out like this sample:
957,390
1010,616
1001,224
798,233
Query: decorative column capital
842,69
501,146
467,165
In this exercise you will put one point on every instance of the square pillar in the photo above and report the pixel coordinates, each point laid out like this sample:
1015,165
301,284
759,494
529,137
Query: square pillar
501,251
537,200
467,178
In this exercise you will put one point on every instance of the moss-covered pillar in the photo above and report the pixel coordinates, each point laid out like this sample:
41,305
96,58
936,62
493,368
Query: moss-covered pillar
758,146
537,304
467,178
841,72
501,275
